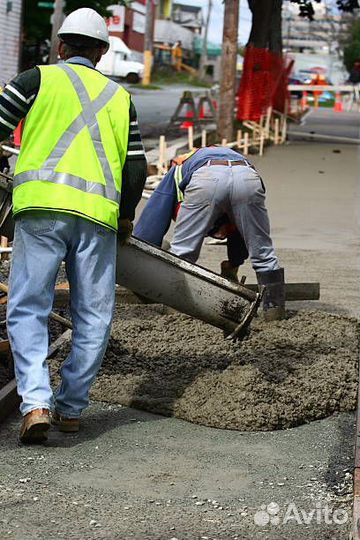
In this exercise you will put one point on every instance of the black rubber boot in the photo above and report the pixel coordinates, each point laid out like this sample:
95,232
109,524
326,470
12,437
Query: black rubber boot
274,296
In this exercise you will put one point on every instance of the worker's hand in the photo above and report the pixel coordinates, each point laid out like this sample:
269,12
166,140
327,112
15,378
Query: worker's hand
229,272
125,228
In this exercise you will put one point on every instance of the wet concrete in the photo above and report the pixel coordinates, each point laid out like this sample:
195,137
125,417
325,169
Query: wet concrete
286,374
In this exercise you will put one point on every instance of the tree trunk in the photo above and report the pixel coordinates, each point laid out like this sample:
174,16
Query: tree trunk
148,43
203,58
266,25
261,22
275,40
228,70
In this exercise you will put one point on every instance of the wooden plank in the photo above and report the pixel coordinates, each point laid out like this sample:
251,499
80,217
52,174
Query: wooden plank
4,346
9,399
296,291
59,342
54,316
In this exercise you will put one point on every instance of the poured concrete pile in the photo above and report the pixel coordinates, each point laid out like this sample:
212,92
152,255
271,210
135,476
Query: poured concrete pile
288,373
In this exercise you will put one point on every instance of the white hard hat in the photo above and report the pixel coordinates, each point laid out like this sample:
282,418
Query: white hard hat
85,22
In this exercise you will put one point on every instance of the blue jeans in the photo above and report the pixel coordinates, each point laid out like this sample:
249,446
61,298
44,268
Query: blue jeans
42,241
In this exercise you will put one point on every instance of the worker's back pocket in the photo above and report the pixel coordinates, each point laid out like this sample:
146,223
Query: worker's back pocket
201,189
38,223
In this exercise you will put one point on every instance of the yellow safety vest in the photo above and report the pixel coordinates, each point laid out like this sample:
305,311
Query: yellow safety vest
74,145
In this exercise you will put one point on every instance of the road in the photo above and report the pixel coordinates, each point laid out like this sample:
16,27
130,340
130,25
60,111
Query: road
155,107
326,122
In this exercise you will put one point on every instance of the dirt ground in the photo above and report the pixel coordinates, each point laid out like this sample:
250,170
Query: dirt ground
132,474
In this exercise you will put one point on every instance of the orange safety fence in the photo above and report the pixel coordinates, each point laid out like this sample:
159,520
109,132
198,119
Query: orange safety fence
263,83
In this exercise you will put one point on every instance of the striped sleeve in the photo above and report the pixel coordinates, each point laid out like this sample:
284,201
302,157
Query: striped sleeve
17,99
135,145
134,170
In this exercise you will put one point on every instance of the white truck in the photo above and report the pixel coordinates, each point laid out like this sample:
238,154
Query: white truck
118,63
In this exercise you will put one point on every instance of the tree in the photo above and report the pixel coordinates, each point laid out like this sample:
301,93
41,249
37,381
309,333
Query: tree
203,57
228,69
351,47
266,20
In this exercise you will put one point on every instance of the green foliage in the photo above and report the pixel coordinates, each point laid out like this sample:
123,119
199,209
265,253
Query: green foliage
99,5
37,20
352,46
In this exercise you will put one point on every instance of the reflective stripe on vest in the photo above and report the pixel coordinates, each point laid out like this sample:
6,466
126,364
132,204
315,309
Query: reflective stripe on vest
87,117
178,180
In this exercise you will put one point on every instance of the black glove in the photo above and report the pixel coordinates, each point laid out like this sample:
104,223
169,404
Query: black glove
125,228
229,272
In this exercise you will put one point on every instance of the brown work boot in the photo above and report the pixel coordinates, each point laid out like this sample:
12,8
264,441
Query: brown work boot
67,425
35,426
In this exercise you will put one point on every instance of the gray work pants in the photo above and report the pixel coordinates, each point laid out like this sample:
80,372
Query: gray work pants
237,191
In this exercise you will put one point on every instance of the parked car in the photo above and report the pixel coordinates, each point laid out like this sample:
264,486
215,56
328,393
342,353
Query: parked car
118,62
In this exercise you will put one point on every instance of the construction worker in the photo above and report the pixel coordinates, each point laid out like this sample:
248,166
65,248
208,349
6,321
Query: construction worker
81,163
176,54
217,192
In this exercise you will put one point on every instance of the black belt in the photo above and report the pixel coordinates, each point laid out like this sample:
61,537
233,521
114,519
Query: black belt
227,162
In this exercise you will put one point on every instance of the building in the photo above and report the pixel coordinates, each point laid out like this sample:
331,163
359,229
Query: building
188,17
128,23
10,36
177,22
314,44
320,36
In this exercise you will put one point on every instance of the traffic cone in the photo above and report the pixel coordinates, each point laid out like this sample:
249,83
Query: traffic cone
303,102
338,106
188,123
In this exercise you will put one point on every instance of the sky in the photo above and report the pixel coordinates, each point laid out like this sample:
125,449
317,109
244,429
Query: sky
217,15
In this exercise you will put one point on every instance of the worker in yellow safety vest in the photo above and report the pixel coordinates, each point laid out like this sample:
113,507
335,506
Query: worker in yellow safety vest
77,181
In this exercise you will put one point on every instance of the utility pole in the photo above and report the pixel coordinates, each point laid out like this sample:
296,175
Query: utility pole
148,45
228,70
56,21
203,57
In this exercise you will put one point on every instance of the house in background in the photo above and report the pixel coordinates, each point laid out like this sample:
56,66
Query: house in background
188,17
178,22
128,23
10,35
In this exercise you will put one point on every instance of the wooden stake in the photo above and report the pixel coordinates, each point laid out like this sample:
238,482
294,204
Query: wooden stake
191,137
239,138
162,163
276,131
246,143
267,122
4,244
261,147
203,138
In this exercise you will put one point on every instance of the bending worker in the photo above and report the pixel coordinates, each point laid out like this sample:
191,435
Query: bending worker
81,162
216,192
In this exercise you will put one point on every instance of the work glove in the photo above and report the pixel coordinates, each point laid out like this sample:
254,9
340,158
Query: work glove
274,295
125,229
229,272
